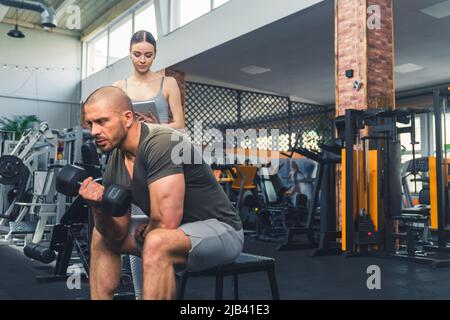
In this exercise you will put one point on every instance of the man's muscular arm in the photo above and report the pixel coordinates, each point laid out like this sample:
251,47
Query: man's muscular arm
167,199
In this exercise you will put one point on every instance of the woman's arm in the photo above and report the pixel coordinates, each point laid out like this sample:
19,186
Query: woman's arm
174,99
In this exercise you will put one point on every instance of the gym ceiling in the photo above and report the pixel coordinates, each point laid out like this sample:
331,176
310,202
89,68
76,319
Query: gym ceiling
94,14
299,50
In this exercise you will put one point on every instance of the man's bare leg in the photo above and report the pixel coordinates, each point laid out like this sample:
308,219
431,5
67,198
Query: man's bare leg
105,266
163,248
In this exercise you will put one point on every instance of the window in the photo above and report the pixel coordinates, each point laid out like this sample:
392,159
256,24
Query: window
145,19
113,43
405,139
218,3
407,148
446,134
185,11
97,54
119,40
192,9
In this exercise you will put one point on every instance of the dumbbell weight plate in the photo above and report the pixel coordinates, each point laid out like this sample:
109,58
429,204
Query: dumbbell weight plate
116,200
11,168
69,178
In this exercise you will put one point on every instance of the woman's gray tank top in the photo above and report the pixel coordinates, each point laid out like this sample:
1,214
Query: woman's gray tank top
160,101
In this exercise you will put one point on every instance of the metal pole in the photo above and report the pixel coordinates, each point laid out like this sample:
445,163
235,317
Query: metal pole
413,144
349,120
439,169
290,124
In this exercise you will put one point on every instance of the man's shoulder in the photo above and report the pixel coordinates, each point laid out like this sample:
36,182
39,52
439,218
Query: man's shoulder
161,134
154,128
161,142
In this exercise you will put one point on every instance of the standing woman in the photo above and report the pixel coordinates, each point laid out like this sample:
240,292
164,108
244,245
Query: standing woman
295,175
154,96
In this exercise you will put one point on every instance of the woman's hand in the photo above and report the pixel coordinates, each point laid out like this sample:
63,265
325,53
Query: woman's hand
149,118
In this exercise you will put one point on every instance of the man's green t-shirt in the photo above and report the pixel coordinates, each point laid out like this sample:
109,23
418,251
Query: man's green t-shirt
163,152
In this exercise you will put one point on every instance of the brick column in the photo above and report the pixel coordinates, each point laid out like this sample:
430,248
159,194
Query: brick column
364,43
180,77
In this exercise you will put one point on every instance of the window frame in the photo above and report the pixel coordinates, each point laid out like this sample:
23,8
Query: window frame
175,13
89,44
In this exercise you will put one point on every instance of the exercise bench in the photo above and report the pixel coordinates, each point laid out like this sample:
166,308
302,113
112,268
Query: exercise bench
245,263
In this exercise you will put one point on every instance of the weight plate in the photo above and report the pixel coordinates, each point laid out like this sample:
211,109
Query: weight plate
11,168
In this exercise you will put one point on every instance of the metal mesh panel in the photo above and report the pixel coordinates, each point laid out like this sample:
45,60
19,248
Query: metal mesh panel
311,125
261,111
267,116
214,107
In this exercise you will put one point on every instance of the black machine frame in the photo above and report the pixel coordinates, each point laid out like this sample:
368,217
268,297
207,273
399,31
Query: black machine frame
385,239
440,101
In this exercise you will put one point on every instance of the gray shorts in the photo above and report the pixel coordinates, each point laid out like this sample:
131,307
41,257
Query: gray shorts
214,243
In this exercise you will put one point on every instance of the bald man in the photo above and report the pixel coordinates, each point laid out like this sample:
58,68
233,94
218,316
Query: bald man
193,225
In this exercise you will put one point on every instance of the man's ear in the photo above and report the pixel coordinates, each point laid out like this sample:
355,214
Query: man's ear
129,118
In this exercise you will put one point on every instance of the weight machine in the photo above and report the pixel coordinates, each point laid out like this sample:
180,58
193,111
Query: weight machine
29,171
373,220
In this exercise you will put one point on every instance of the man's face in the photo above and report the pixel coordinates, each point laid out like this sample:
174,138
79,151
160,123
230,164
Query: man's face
108,127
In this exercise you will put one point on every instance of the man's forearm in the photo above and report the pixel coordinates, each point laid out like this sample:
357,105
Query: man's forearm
174,125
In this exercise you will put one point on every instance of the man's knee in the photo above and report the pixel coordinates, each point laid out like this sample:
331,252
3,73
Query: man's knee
155,246
102,242
165,246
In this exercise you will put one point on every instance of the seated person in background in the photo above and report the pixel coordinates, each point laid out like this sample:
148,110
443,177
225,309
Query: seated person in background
154,96
295,175
192,225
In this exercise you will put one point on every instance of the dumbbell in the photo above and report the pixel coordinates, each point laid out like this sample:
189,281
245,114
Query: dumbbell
116,199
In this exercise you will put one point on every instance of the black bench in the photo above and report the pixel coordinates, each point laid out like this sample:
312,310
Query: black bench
410,217
245,263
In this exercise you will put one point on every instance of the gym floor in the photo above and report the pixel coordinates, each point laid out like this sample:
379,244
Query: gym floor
299,276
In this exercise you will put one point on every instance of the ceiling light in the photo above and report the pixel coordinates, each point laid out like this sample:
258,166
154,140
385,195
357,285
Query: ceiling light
407,68
255,70
16,33
438,10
